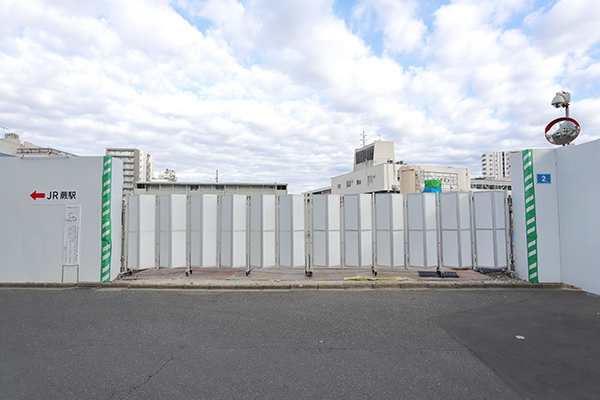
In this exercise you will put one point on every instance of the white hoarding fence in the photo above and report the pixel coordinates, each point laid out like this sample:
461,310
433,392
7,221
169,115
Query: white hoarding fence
326,231
204,228
455,210
234,235
291,231
172,223
491,229
425,230
390,240
422,221
263,243
358,230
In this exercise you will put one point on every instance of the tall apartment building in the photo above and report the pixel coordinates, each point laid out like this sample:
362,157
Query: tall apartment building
496,165
138,166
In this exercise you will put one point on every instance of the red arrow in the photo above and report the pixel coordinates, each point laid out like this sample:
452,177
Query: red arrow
35,195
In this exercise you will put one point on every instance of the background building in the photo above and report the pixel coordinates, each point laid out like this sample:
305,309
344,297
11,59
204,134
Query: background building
496,165
166,175
138,166
490,184
11,144
165,187
375,171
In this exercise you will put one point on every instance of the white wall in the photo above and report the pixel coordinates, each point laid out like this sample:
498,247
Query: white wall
567,215
578,171
545,203
32,231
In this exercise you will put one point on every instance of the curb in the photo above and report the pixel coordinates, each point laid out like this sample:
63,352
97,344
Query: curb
295,285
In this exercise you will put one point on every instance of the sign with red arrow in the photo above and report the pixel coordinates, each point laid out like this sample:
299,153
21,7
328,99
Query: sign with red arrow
35,195
53,196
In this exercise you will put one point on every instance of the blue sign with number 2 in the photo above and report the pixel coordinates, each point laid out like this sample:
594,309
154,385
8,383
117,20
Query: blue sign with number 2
544,178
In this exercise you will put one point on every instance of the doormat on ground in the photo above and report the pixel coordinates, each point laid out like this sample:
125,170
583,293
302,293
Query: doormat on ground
362,278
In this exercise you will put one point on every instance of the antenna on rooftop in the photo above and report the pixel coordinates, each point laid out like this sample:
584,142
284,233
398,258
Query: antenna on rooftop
217,176
4,129
363,138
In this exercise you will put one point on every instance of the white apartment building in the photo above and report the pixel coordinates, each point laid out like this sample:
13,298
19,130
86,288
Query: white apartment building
138,166
496,165
376,171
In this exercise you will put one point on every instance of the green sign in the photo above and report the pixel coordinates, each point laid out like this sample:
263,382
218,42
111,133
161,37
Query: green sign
433,183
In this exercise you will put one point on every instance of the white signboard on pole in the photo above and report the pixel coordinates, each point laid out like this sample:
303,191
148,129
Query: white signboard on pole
71,235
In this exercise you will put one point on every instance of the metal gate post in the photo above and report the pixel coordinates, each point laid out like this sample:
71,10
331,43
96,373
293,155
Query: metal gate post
219,228
278,232
374,235
406,231
248,233
511,233
308,235
188,236
157,232
342,219
125,236
474,254
438,230
494,230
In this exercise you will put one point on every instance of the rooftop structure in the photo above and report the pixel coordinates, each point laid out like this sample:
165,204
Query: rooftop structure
490,184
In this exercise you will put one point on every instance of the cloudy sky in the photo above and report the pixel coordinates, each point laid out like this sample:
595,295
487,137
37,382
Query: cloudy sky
281,90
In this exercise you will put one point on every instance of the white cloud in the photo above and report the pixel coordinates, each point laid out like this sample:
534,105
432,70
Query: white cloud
281,90
402,30
568,27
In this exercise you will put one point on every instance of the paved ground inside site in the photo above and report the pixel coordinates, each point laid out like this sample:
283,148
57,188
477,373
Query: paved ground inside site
330,278
119,343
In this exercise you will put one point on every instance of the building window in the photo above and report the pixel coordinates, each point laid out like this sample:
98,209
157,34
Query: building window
339,185
358,181
370,179
364,155
348,183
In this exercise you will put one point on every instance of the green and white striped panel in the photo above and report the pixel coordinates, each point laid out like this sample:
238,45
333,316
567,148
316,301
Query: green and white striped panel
530,218
106,223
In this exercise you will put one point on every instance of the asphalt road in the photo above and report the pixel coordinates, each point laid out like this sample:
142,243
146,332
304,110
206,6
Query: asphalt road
372,344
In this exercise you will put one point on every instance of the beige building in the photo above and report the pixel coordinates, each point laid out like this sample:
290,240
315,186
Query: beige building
376,171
